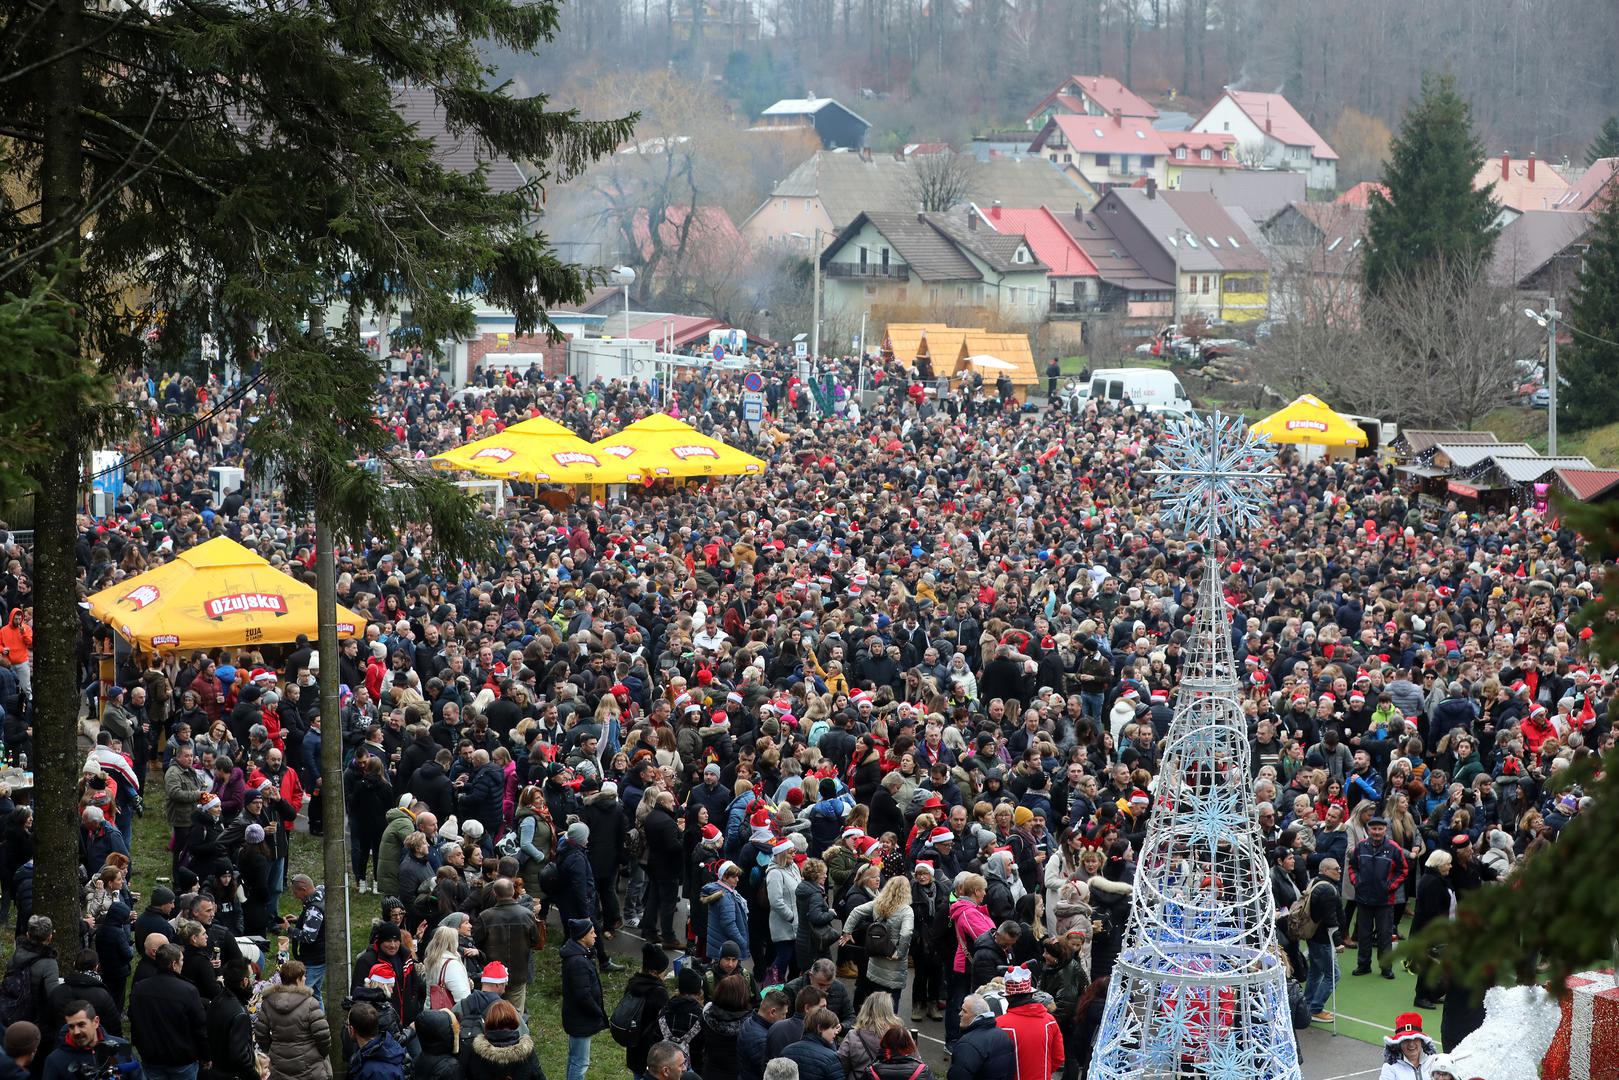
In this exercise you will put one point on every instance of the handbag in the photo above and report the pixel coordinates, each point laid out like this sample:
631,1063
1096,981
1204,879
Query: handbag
438,995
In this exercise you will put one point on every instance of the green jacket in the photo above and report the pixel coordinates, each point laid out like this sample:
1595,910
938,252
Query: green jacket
398,825
182,789
1065,985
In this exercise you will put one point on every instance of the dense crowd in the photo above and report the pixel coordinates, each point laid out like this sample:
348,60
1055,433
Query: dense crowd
874,731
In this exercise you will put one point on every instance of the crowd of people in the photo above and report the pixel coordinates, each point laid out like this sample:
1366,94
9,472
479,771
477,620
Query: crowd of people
862,742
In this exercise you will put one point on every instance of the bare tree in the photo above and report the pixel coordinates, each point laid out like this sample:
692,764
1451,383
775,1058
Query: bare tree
939,182
1454,340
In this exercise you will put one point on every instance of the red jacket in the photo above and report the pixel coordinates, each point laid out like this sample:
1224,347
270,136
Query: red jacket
1036,1038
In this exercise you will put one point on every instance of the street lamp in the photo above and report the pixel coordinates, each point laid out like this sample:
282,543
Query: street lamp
623,275
1548,320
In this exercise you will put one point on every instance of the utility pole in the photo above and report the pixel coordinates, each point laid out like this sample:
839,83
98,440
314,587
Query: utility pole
815,315
1552,315
1175,309
1548,320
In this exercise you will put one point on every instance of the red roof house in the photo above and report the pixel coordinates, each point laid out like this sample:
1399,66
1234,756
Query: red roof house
1361,194
1092,95
1593,189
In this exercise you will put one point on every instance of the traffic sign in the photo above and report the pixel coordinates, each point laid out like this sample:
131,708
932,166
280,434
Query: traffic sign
753,382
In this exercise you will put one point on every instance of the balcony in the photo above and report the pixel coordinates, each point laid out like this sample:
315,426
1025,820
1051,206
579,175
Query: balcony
1075,309
893,271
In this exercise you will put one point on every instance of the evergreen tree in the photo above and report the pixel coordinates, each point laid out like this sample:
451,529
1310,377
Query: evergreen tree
242,167
1606,144
1431,212
1590,363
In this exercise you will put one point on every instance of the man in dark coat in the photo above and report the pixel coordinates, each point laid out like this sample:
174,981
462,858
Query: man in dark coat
814,1053
230,1030
482,794
752,1041
431,784
984,1051
85,983
604,815
166,1018
584,1013
576,881
507,932
665,858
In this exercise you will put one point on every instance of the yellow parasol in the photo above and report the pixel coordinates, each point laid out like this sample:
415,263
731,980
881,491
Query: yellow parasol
217,593
1309,420
536,450
659,446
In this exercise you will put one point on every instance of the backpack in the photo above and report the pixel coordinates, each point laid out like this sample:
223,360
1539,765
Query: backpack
550,879
682,1041
625,1023
880,943
17,998
1300,926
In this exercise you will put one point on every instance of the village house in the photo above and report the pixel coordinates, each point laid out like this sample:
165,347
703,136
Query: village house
829,189
894,258
835,124
1070,273
1271,134
1520,186
1538,253
1315,254
1106,151
1089,95
1212,253
1198,151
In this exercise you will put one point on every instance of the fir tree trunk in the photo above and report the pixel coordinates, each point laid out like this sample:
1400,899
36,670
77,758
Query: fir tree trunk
334,827
56,627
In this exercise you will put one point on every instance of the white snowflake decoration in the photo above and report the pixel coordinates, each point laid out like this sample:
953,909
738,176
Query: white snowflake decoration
1216,478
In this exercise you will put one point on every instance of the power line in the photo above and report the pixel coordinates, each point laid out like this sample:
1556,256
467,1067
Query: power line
154,447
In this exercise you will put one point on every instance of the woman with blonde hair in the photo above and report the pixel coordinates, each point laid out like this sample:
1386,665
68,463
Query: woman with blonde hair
443,969
862,1046
884,927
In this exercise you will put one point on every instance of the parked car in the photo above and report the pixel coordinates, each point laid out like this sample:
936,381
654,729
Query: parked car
1540,399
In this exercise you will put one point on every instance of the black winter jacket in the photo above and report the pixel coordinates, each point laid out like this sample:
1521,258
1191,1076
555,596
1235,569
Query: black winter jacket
230,1040
167,1021
984,1052
583,1011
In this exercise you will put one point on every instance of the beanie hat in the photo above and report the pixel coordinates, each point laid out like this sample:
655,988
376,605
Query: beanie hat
381,973
578,928
795,796
653,958
162,895
730,951
578,833
1022,815
494,972
254,833
1019,981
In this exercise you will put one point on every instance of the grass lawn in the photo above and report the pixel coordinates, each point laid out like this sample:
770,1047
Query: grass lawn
1516,424
151,861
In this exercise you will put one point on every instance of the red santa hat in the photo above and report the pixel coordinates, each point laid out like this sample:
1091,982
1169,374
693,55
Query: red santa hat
781,846
1160,697
1130,694
941,835
1357,698
924,864
711,832
1363,676
381,973
853,833
1139,797
1538,710
494,973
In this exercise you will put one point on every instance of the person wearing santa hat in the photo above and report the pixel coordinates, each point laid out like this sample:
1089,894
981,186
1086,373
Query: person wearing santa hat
781,893
727,910
1408,1053
1034,1030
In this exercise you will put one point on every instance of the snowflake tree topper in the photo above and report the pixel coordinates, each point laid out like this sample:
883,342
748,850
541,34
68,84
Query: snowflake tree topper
1217,476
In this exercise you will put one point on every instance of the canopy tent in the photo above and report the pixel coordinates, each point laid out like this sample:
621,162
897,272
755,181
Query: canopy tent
659,447
991,363
217,593
537,450
1309,421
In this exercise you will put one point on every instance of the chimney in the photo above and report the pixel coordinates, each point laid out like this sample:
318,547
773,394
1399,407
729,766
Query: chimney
1506,165
1079,212
972,219
1152,188
1267,125
1531,166
1118,117
996,204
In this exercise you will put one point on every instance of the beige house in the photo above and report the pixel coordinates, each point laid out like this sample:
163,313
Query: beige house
831,188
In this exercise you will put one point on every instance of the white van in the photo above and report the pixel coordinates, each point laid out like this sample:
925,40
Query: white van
1150,389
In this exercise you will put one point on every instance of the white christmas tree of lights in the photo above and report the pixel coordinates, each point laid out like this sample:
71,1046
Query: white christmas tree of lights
1199,992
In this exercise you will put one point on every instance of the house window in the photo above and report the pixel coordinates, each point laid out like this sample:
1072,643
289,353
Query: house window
1208,280
1180,153
1205,153
961,292
1067,159
1030,295
1104,161
933,294
862,258
1053,158
1225,155
808,204
1226,126
885,260
1147,162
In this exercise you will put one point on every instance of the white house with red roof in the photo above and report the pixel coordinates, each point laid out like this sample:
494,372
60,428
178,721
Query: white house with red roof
1108,151
1271,134
1070,272
1199,150
1090,95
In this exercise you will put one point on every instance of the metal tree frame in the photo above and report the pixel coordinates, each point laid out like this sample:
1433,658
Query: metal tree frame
1199,990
